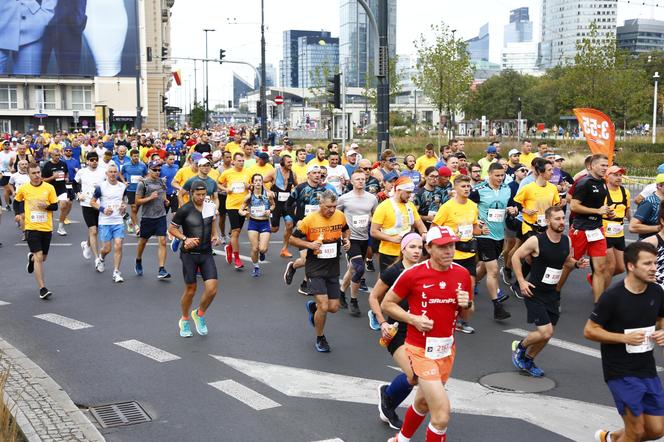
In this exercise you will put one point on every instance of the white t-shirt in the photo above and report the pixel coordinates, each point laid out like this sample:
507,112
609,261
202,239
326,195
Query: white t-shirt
5,162
650,189
89,179
110,196
18,179
335,177
104,165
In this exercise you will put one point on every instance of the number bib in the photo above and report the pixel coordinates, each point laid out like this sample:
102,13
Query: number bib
283,196
466,232
648,344
310,208
541,220
257,211
59,176
496,215
438,348
328,251
134,179
38,217
552,276
360,221
209,209
432,213
594,235
614,228
237,188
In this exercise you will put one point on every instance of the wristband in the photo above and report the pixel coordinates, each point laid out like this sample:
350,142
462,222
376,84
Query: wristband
102,209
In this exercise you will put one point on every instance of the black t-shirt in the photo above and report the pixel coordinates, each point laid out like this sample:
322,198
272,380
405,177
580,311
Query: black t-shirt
203,147
50,169
617,310
591,192
389,277
195,226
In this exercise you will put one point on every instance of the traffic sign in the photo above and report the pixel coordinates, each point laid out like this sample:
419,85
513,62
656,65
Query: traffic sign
40,116
278,100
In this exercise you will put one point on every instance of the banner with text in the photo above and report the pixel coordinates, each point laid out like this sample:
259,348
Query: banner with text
599,131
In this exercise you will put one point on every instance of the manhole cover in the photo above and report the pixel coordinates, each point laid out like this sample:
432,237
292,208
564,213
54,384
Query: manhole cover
514,382
119,414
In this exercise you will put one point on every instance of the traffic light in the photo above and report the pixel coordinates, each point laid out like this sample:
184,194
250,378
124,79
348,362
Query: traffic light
111,115
164,103
259,109
222,54
334,90
164,52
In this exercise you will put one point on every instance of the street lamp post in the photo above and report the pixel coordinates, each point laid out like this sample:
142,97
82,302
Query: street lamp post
207,92
654,110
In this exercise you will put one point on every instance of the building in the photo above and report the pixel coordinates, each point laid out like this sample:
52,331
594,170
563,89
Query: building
289,64
270,74
566,22
357,40
81,89
478,47
640,35
318,58
241,88
520,28
520,57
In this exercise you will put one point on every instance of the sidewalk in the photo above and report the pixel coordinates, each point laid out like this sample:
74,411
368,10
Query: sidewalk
42,409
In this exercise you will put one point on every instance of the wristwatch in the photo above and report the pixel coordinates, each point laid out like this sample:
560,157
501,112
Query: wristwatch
470,305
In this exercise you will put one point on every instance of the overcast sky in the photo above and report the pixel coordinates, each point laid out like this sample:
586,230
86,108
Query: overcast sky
242,41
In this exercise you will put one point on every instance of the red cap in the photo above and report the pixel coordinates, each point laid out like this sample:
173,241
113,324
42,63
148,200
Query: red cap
445,171
441,235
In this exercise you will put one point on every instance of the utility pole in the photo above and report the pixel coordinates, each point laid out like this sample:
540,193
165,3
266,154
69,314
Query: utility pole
139,109
206,79
262,94
195,83
383,88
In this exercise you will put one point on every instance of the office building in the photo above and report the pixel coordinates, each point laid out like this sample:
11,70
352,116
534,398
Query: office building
270,74
478,47
317,58
289,64
641,35
520,28
241,88
520,57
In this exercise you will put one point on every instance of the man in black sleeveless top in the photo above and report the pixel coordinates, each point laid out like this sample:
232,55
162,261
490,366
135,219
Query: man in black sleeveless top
550,253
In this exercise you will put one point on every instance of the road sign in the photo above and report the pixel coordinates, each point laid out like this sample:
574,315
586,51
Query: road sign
278,99
40,116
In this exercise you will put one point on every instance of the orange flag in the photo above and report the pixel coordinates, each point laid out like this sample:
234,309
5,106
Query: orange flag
599,131
177,75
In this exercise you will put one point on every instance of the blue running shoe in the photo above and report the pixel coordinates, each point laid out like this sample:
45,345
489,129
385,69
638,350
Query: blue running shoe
321,345
185,331
532,369
373,322
518,356
163,274
502,296
199,322
261,256
256,272
175,244
311,309
138,268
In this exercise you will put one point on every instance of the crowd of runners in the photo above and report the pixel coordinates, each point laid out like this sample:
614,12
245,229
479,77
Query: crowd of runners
432,225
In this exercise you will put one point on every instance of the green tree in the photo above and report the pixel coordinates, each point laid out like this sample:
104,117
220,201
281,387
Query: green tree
197,115
498,97
444,71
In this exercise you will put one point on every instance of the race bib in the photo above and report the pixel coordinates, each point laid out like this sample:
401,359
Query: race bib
438,348
69,186
496,215
594,235
432,213
38,216
360,221
257,211
552,276
209,209
328,251
62,197
649,343
59,176
283,196
614,228
310,208
466,232
237,188
541,220
134,179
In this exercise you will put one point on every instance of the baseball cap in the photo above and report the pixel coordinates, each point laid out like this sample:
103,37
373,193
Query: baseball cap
277,147
460,155
441,235
392,176
615,169
155,164
263,156
445,171
659,178
216,155
353,146
660,168
203,161
5,142
351,152
558,157
513,152
313,168
491,149
14,139
196,156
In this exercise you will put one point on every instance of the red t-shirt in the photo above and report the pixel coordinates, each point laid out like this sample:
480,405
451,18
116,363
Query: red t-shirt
432,292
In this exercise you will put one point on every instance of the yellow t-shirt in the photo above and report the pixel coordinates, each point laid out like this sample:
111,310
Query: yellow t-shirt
461,218
314,225
233,147
183,174
54,146
424,162
319,163
616,229
527,159
300,172
36,219
142,152
534,197
385,215
263,170
289,153
237,184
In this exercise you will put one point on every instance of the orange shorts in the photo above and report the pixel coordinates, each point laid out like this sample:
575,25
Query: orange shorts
430,369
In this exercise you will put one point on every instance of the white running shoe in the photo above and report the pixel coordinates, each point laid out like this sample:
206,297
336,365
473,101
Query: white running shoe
117,277
87,252
61,230
99,265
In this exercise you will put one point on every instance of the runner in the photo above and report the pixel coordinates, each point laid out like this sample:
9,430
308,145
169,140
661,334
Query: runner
152,197
645,219
357,205
284,184
337,175
55,172
393,394
618,200
627,321
15,181
320,233
657,240
437,291
194,225
549,252
429,196
203,174
89,178
39,202
427,160
258,206
225,164
512,227
130,175
108,200
6,161
300,166
235,182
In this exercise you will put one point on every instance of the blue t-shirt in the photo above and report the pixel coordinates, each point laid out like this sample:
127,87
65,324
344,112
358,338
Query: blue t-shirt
491,205
126,160
350,168
648,212
168,173
210,184
73,165
137,171
414,175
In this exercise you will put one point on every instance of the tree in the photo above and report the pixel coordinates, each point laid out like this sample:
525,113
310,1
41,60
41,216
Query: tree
498,97
444,71
321,97
197,115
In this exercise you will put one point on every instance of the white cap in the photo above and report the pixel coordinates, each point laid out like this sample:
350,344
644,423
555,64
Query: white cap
513,152
351,152
313,168
354,146
203,161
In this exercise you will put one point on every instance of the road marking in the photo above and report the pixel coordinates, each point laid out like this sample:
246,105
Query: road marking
336,439
71,324
53,244
245,394
576,420
588,351
4,303
147,350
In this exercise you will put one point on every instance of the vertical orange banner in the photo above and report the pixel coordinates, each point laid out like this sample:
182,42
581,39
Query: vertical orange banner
599,131
177,76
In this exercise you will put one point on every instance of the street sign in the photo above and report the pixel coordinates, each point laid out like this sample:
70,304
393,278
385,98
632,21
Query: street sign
278,100
40,116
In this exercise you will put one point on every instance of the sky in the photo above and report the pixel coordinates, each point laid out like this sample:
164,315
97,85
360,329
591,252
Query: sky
238,31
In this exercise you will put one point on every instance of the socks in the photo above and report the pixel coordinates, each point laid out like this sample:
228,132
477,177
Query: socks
411,423
256,266
200,312
520,346
399,389
162,268
435,435
185,318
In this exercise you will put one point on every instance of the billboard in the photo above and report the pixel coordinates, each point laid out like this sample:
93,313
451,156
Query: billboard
68,38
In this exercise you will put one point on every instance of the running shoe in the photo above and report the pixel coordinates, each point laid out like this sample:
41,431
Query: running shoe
370,265
602,436
223,239
229,254
506,273
354,309
117,276
321,345
502,296
499,312
238,263
532,369
463,327
199,323
99,265
518,356
289,273
61,230
261,256
130,227
31,263
386,409
87,251
342,300
44,293
363,285
67,221
514,287
373,322
138,268
23,238
185,330
285,253
175,244
303,289
256,272
163,274
311,309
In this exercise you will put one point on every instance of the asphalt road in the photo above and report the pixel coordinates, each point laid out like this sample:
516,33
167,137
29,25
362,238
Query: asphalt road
265,321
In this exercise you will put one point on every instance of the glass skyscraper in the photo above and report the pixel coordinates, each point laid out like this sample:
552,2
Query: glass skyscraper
520,28
289,64
315,55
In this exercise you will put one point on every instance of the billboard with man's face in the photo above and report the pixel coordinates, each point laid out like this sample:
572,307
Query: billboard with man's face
68,37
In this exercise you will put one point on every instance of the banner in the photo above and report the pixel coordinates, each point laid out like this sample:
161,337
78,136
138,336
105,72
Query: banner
177,76
599,131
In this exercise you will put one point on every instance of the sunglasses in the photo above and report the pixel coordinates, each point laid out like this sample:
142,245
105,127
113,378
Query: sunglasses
156,170
392,159
93,159
365,168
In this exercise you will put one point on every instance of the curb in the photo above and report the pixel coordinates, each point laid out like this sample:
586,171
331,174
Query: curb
32,397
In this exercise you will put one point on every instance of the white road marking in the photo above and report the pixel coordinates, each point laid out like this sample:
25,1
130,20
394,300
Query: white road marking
53,244
588,351
147,350
576,420
245,394
71,324
4,303
336,439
